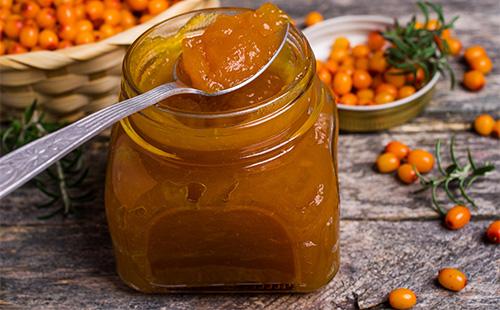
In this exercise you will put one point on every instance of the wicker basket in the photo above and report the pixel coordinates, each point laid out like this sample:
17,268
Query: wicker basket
72,82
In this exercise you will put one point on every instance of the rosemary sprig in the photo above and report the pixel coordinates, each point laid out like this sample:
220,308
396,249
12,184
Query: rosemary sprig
456,174
414,48
61,182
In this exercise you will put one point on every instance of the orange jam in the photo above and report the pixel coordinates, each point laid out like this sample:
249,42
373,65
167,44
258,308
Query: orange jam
230,193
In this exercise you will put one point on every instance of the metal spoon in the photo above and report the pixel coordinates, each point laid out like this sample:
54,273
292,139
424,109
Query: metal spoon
21,165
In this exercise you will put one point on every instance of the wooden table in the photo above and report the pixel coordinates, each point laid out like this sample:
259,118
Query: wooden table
389,236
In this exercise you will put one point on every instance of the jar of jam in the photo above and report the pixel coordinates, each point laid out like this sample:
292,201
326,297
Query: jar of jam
231,193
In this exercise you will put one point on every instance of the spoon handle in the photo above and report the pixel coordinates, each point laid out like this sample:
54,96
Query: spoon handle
21,165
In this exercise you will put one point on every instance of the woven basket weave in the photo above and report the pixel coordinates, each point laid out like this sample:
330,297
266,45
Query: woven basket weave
72,82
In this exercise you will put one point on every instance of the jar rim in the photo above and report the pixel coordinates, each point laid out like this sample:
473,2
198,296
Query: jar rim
294,32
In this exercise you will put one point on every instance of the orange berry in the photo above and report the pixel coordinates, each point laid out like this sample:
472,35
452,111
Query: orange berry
457,217
474,80
446,33
349,70
29,9
361,63
483,124
406,91
113,4
377,62
395,77
112,17
361,79
387,88
48,39
387,162
84,25
16,48
454,45
496,129
84,38
348,61
138,5
482,64
106,31
67,32
338,54
128,19
325,76
94,9
349,99
341,43
66,14
375,41
407,174
384,97
332,66
13,26
402,298
493,232
360,51
64,44
452,279
342,83
422,160
28,36
420,76
46,18
5,4
419,25
397,148
312,18
144,18
80,11
366,93
474,52
432,24
155,7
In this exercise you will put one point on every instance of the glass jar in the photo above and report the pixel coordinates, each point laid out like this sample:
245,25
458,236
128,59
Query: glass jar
241,198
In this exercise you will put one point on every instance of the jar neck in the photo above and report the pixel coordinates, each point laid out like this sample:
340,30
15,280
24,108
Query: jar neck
264,130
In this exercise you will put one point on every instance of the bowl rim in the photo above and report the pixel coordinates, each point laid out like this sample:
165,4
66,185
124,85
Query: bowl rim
371,18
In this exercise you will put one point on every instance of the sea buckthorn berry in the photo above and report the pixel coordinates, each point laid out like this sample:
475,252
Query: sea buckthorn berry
113,4
483,124
29,36
377,62
80,11
66,14
383,97
493,232
367,93
325,76
482,64
64,44
144,18
361,63
84,25
496,129
94,9
341,43
360,51
312,18
387,88
155,7
338,54
457,217
112,17
5,4
387,162
422,160
361,79
420,76
16,48
67,32
29,9
349,70
138,5
452,279
348,61
454,45
84,38
46,18
474,52
332,66
393,76
419,25
446,33
406,91
375,41
397,148
402,298
474,80
349,99
13,26
407,174
432,24
342,83
48,40
128,19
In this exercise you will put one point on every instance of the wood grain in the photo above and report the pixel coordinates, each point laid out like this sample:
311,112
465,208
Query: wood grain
389,236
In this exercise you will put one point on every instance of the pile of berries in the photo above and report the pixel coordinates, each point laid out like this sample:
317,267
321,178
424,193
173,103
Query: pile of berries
31,25
480,65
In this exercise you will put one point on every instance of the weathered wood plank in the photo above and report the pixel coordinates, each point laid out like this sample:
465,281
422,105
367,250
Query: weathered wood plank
71,266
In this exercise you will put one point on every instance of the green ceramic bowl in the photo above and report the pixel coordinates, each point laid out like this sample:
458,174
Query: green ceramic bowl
374,117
